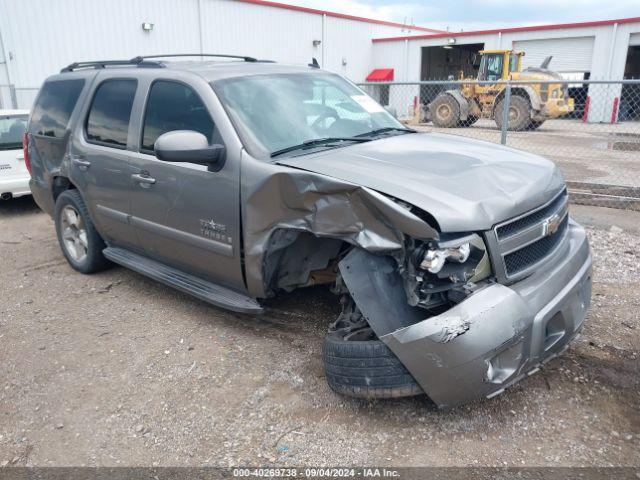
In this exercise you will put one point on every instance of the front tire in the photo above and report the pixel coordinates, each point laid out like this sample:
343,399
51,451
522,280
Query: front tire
80,242
357,364
444,111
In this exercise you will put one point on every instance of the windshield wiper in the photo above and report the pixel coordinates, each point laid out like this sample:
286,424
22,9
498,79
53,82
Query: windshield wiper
316,142
385,130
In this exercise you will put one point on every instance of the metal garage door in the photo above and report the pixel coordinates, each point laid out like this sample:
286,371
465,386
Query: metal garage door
569,54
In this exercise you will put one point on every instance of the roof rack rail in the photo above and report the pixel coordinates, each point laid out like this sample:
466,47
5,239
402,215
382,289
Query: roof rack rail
245,58
137,61
142,61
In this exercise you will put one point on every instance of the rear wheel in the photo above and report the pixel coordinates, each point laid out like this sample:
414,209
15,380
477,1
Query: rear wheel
80,242
444,111
357,364
519,113
471,119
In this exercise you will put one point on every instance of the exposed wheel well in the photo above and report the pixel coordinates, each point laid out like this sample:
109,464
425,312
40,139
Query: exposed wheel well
60,184
299,259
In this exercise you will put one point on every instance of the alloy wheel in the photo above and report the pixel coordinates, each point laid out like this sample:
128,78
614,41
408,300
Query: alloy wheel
74,234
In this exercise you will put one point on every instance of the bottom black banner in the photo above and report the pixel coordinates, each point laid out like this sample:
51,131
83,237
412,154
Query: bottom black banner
417,473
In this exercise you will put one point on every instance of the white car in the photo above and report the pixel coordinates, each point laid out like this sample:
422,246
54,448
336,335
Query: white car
14,176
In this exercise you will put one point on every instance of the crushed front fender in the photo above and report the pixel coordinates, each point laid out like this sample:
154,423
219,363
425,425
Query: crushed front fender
284,198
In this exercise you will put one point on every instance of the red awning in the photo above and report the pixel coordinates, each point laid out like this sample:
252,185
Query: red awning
380,75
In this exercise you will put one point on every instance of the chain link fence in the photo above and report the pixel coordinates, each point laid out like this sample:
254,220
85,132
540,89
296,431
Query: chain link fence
590,129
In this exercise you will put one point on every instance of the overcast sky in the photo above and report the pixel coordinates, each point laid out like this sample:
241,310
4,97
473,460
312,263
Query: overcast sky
479,14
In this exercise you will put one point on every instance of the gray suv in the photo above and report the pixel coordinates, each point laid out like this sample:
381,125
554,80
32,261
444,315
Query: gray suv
455,261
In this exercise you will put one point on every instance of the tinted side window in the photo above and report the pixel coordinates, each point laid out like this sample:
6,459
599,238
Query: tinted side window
53,108
173,106
108,120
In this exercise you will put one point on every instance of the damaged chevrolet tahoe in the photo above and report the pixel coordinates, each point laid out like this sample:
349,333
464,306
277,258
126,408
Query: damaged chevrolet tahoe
457,266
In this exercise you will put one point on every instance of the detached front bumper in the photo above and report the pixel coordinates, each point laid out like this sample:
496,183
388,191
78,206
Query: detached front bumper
501,333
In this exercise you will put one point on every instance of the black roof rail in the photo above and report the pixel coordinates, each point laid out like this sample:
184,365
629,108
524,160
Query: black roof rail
142,61
137,61
221,55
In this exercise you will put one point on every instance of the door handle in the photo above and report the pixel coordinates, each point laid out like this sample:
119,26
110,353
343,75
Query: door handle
143,179
80,162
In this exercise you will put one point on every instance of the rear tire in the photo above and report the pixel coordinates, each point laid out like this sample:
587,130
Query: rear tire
471,119
359,365
519,114
79,241
444,111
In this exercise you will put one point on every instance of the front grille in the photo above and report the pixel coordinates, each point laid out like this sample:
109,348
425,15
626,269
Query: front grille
518,245
531,254
534,218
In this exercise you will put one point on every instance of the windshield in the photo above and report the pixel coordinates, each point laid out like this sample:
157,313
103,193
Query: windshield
276,112
11,131
491,67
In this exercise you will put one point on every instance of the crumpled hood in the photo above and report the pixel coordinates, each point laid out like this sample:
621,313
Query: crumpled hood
465,184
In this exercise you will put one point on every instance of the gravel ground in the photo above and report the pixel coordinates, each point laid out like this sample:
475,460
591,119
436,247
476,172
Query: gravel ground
114,369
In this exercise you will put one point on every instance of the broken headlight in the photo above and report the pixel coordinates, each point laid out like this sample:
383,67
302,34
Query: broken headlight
457,259
434,258
445,271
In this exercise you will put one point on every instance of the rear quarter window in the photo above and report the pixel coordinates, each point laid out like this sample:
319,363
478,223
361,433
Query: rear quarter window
54,106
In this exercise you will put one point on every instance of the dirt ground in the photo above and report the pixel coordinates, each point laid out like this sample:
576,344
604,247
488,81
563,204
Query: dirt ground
114,369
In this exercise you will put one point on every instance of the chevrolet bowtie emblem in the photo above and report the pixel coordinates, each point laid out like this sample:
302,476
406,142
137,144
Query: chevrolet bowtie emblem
551,225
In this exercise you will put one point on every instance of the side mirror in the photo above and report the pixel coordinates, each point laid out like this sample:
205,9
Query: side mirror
189,147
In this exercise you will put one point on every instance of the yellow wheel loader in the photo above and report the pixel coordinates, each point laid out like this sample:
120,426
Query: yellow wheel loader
529,106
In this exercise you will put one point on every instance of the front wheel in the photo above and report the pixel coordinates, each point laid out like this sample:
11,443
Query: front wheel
80,242
359,365
444,111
